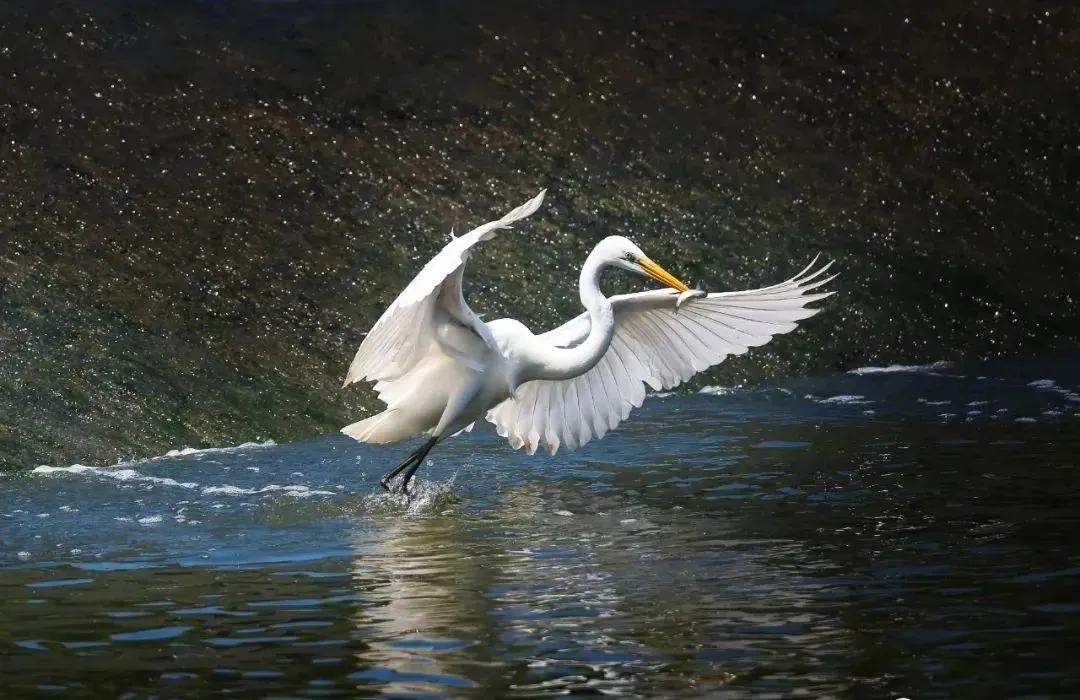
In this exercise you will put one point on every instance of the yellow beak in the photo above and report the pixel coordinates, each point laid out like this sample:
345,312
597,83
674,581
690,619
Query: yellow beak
661,275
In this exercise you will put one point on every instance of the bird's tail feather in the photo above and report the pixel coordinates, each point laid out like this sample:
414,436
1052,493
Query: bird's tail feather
381,428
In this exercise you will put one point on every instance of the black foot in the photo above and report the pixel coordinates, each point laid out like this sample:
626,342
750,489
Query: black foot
409,465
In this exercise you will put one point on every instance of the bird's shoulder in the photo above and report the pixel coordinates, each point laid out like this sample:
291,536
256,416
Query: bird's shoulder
509,329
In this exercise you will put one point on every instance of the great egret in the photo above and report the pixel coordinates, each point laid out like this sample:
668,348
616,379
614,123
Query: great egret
439,368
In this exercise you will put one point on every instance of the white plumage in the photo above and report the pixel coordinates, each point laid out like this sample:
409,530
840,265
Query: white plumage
439,367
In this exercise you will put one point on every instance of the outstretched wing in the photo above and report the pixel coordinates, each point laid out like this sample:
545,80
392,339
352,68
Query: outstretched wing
655,343
408,329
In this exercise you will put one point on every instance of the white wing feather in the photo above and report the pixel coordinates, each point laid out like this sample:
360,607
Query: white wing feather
655,343
408,329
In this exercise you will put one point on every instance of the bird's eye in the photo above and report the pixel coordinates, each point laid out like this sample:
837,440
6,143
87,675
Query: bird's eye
630,257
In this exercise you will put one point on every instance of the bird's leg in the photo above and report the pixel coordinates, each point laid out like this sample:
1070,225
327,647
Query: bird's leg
402,465
410,463
421,453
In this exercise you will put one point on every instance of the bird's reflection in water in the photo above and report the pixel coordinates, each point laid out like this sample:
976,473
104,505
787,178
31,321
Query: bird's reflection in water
450,593
427,606
575,591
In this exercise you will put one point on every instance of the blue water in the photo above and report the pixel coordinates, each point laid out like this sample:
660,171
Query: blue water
901,531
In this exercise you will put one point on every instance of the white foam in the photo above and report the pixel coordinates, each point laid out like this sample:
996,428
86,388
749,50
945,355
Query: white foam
128,475
73,469
1051,385
119,474
845,399
227,490
298,490
171,454
717,390
896,369
189,451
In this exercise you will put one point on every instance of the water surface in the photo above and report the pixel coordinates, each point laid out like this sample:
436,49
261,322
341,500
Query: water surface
901,531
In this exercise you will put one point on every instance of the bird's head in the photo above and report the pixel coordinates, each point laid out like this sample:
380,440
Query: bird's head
621,252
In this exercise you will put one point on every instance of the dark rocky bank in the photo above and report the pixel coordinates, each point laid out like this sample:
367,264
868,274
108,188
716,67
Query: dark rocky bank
203,206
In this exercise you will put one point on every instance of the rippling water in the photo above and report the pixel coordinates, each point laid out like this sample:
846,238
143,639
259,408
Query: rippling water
901,531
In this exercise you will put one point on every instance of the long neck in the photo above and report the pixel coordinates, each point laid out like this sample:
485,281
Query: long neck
566,363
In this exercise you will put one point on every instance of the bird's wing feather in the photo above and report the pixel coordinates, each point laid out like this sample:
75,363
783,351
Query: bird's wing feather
406,331
654,343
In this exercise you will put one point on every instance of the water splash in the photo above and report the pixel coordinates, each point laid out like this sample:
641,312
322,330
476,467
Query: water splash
931,368
426,497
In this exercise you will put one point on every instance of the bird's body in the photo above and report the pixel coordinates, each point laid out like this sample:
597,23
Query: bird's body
439,368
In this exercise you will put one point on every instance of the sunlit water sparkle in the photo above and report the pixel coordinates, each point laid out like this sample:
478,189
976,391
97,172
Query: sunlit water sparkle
892,531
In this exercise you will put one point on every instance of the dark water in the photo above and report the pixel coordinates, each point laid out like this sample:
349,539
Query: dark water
902,531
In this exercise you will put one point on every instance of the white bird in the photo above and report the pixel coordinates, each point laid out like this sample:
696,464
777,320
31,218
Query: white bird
439,368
